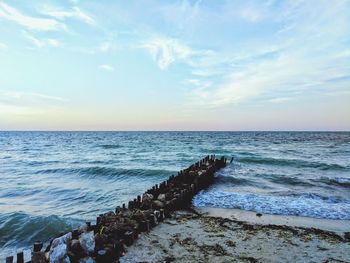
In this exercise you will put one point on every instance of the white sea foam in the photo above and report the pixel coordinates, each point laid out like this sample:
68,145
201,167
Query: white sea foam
309,205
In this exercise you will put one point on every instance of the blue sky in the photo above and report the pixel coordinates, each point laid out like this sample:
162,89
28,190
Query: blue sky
175,65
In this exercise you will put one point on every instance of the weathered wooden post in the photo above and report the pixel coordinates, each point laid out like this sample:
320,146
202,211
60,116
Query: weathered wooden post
38,245
20,257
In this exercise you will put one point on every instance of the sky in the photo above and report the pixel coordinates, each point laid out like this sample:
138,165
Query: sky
175,65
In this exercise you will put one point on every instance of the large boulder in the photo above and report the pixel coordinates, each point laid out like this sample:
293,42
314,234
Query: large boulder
58,250
161,197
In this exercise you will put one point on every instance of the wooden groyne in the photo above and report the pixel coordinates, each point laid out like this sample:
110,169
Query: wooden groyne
105,241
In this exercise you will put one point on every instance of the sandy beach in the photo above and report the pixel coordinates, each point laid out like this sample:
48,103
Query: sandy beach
192,237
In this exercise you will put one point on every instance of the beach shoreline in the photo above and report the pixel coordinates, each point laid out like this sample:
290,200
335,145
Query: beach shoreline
338,226
189,236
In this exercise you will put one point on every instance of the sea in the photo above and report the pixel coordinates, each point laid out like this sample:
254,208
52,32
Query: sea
51,182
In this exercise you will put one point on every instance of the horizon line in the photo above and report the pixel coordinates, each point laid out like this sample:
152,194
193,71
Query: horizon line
174,130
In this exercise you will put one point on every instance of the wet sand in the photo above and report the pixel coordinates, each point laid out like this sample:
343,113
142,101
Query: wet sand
338,226
192,237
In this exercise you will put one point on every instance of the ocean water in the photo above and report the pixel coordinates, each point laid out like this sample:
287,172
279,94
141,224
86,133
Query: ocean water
53,181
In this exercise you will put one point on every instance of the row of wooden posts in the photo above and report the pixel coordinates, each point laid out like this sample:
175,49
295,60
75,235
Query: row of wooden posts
115,229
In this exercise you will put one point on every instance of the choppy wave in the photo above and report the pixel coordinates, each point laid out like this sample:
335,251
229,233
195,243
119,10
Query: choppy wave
298,163
286,179
272,178
110,146
233,180
336,181
308,205
17,228
97,171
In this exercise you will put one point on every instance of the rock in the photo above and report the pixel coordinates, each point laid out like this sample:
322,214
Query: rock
87,242
59,254
161,197
258,214
147,197
158,204
146,201
61,240
58,250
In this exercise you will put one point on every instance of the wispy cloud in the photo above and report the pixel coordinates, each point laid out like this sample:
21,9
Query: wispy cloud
18,103
166,51
40,43
198,83
109,46
279,100
106,67
33,23
305,58
74,13
20,96
288,74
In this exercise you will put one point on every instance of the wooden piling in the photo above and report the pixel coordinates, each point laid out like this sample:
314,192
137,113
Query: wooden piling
20,257
38,245
114,229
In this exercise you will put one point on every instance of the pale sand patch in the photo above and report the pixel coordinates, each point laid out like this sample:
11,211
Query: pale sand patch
189,237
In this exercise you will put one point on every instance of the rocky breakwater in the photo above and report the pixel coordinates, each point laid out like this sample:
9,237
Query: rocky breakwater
106,240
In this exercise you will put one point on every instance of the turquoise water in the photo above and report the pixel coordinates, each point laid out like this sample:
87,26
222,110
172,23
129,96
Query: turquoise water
53,181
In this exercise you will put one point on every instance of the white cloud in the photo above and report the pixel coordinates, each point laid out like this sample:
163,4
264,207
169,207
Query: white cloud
40,43
64,14
21,98
198,83
34,23
166,51
46,97
289,73
305,58
18,103
106,67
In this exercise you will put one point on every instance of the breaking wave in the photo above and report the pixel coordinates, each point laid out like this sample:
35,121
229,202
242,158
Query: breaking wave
309,205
